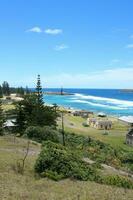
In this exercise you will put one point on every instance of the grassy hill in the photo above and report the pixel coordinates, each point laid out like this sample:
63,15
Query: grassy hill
28,186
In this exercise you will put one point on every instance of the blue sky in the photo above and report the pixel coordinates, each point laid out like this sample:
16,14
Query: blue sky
70,43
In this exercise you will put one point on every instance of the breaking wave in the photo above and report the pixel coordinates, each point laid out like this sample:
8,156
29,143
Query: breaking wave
103,102
97,104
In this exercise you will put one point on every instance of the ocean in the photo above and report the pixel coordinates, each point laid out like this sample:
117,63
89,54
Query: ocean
110,101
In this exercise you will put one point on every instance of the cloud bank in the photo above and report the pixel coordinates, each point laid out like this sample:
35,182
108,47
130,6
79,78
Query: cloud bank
113,78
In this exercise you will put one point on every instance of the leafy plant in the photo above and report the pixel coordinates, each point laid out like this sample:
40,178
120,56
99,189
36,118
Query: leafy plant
57,162
42,133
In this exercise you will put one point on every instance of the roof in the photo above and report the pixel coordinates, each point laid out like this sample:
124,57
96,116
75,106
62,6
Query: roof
101,114
127,119
105,122
9,123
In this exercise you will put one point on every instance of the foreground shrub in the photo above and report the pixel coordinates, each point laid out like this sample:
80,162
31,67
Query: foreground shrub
40,134
94,149
118,181
56,161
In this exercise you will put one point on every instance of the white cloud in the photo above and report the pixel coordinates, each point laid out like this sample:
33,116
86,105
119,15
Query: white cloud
53,31
112,78
129,46
35,29
61,47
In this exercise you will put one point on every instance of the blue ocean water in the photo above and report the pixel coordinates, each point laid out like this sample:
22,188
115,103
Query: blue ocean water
110,101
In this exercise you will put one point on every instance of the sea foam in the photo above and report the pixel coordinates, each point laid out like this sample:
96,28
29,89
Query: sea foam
97,104
102,100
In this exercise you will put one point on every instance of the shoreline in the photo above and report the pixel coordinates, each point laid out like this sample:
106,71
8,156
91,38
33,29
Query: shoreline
70,109
58,93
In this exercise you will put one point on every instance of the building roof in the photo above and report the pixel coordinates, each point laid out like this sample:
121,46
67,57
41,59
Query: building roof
101,114
127,119
104,122
9,123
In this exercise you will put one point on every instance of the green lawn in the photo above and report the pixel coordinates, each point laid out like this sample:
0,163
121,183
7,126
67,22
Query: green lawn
116,137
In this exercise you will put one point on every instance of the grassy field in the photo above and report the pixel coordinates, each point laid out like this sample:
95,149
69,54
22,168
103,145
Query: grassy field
14,186
7,107
116,137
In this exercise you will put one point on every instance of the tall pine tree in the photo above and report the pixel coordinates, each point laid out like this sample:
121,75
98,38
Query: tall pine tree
39,93
38,111
32,112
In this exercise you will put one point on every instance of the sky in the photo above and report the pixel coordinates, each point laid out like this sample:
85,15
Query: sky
70,43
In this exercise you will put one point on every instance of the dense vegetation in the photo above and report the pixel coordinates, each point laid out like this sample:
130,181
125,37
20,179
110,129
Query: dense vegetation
31,111
56,161
101,152
41,134
2,119
6,90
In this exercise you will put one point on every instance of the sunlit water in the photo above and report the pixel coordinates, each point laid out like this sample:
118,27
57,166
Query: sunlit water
114,102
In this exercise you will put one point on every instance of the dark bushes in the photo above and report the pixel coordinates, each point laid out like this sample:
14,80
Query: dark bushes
40,134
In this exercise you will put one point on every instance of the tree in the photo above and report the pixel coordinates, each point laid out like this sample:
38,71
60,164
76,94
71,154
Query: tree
1,93
40,102
20,118
27,91
32,112
20,91
6,88
2,119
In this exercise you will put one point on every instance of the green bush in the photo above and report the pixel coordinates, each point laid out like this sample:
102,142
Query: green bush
118,181
94,149
40,134
56,161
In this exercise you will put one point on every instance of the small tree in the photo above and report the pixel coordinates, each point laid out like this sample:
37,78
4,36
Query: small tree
20,118
27,91
6,88
20,91
2,119
1,93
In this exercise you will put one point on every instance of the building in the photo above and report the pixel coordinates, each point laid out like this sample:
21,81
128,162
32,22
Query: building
91,121
99,124
129,138
127,120
101,114
103,125
9,125
82,113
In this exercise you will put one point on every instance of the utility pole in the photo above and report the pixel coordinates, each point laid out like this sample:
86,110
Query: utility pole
62,131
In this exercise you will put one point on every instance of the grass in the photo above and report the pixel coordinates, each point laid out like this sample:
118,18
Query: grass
7,107
116,137
14,186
